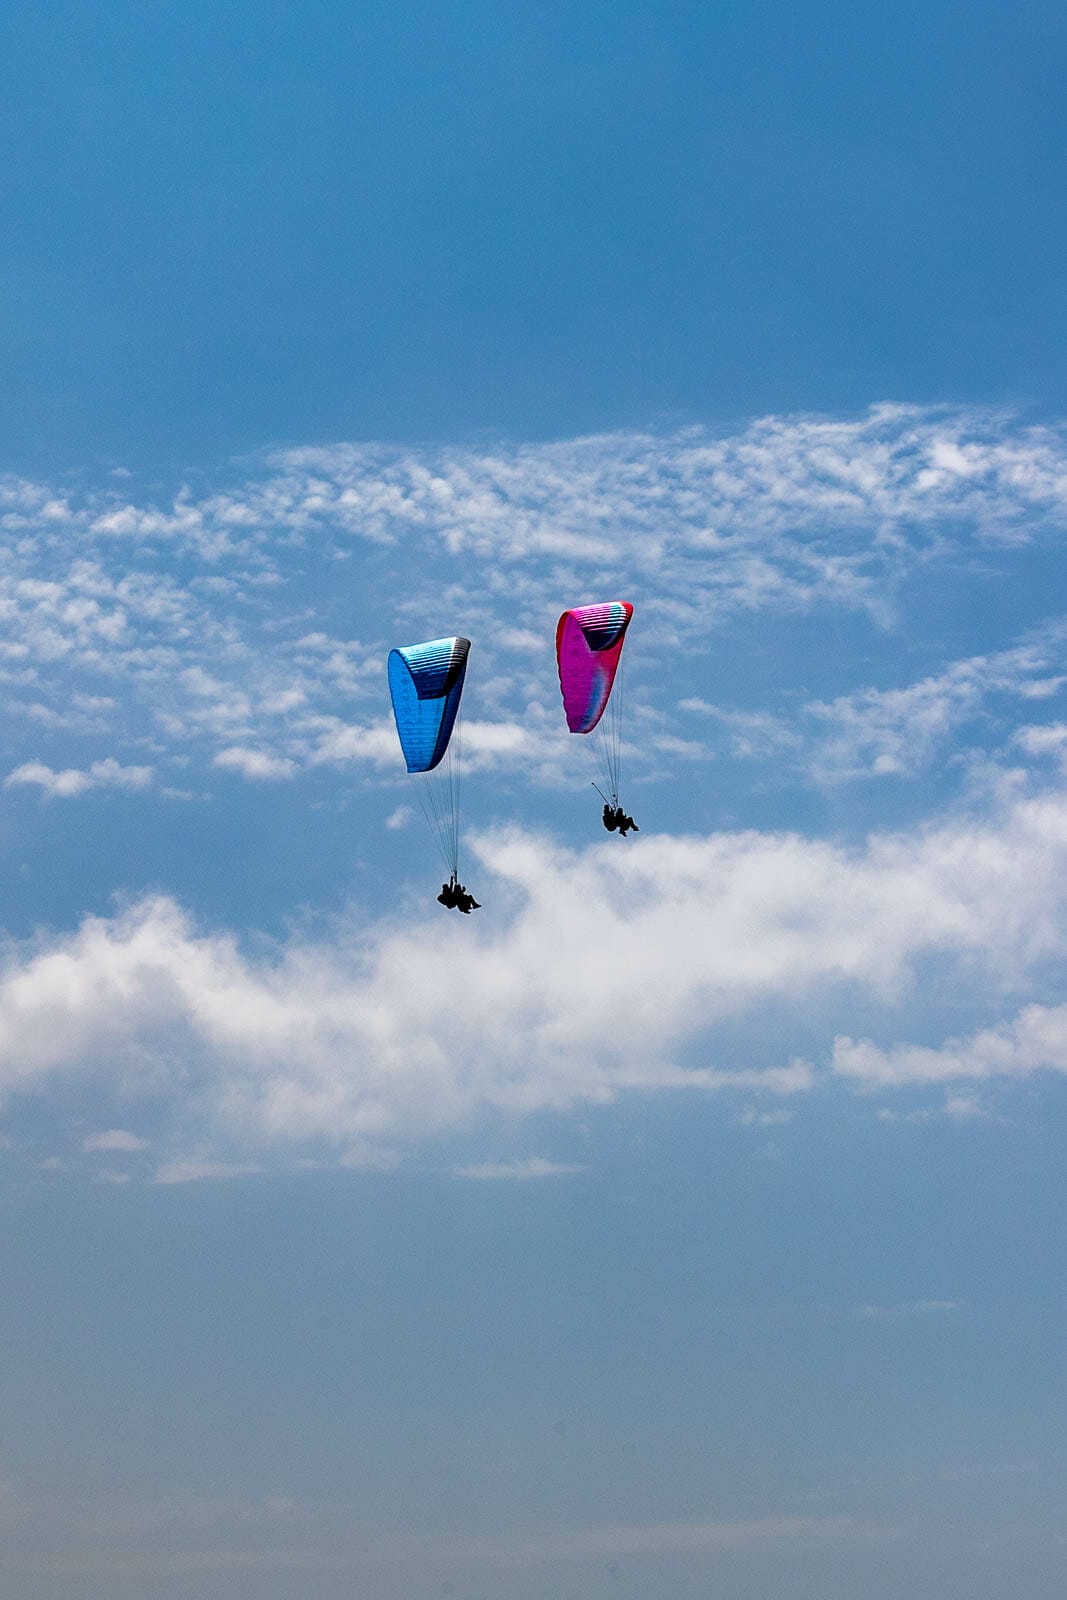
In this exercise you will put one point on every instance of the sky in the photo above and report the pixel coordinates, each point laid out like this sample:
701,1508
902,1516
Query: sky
689,1219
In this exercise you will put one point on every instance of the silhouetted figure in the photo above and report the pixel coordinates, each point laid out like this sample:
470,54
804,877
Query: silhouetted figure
455,897
616,819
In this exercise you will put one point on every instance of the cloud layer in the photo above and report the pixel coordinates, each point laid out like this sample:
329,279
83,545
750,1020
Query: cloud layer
598,973
197,626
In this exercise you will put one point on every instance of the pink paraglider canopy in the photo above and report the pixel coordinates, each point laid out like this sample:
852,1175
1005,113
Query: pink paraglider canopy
589,642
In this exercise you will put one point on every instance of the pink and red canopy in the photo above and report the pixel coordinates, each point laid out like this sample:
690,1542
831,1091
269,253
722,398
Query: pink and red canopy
589,642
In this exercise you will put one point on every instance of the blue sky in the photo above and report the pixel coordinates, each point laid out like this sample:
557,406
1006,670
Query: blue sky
229,225
688,1220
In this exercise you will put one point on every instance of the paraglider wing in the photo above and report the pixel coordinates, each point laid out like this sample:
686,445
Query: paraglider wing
589,642
425,685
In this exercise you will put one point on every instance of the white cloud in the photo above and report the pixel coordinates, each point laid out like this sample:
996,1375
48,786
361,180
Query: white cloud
895,731
593,973
337,742
115,1139
874,732
601,498
350,1044
194,1169
258,764
107,773
956,1107
533,1167
1035,1041
618,497
65,784
964,1107
1043,740
496,739
279,701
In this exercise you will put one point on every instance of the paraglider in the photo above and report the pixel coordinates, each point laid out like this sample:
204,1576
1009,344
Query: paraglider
426,687
615,818
589,641
455,897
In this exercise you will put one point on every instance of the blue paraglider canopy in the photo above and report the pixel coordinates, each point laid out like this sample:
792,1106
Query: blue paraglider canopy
425,683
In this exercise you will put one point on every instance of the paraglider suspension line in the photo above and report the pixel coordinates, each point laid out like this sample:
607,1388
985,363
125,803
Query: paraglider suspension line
439,799
606,740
